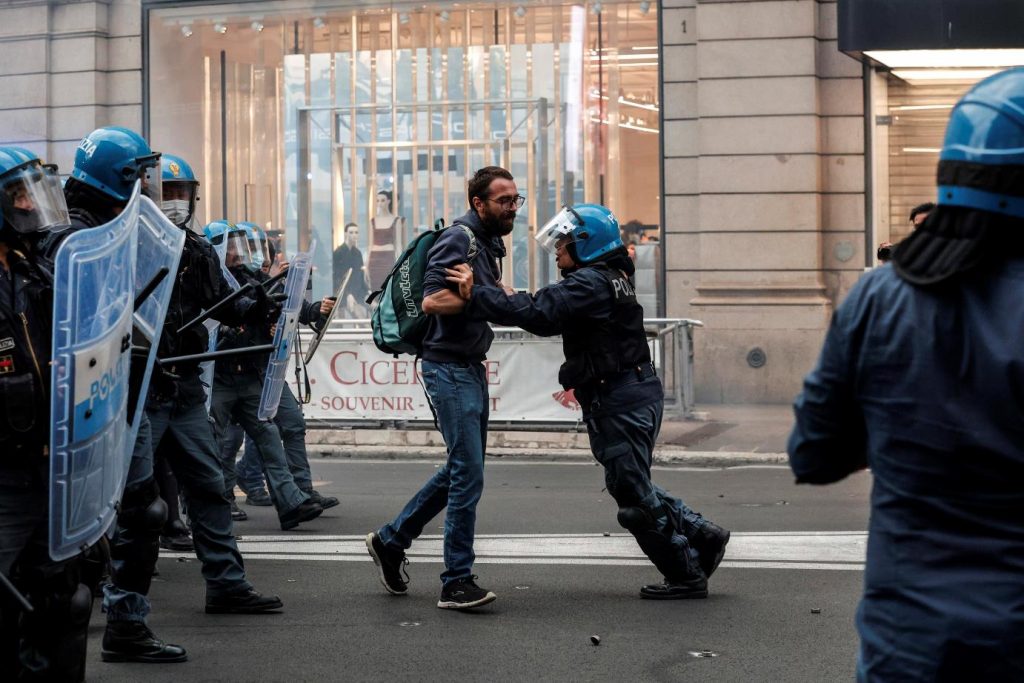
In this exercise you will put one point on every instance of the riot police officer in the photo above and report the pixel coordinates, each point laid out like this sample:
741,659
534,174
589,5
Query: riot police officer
289,419
238,384
49,642
608,365
108,162
176,408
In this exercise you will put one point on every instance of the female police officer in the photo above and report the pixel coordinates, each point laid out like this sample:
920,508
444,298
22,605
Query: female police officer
608,364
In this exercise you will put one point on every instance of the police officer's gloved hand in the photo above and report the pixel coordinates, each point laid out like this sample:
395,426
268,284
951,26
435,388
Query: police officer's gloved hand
267,308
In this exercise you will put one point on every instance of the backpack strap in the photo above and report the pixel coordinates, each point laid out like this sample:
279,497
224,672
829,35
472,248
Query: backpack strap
474,248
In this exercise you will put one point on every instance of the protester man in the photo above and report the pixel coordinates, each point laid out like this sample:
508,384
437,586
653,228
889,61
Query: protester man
920,379
456,384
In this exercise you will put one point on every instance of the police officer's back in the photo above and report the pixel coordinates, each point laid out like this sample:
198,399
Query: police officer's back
921,379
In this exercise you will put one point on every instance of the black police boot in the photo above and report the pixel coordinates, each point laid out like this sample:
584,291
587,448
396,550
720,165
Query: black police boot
303,512
710,544
258,498
324,501
237,514
675,589
175,537
247,602
132,641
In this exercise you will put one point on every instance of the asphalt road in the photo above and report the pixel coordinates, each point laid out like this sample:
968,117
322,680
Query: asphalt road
781,606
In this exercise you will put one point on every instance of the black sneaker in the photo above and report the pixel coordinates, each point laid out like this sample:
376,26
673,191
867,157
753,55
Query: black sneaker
259,499
246,602
689,589
464,594
132,641
237,514
304,512
710,544
324,501
390,563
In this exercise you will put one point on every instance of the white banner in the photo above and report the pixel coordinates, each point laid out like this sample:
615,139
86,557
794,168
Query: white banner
353,380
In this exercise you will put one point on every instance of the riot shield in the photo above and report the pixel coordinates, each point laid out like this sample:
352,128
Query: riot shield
160,246
213,327
94,291
338,303
299,270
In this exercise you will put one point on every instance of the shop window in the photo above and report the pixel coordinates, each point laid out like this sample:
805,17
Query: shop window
376,116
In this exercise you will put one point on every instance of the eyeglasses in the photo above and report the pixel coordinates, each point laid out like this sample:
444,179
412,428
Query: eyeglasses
509,202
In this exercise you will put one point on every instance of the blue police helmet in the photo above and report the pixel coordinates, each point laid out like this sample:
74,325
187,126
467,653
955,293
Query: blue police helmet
112,158
31,197
215,231
174,169
983,152
179,188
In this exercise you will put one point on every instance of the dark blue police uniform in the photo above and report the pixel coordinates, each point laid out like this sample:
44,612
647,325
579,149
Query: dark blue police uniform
608,365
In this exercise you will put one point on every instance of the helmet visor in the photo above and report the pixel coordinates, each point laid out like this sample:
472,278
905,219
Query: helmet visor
256,251
237,251
152,180
558,228
179,201
32,199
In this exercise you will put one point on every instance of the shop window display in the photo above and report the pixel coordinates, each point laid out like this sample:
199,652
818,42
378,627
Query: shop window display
375,116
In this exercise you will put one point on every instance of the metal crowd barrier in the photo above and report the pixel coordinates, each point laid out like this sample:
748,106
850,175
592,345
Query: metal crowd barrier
671,341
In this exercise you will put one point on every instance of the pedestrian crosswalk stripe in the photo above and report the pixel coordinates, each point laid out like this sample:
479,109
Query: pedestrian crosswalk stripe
841,550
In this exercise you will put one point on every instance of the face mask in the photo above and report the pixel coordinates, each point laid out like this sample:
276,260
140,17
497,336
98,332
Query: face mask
176,210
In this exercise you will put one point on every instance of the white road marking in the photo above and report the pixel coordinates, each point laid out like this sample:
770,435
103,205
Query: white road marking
834,550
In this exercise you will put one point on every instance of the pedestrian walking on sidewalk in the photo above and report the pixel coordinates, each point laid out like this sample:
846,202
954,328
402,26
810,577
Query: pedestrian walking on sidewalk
456,384
608,366
920,379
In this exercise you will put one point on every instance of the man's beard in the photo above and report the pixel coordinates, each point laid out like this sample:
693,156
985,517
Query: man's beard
499,225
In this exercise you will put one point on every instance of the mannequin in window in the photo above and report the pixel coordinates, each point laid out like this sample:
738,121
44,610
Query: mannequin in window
386,231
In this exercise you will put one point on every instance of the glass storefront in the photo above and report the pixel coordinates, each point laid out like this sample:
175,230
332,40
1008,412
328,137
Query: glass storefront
307,120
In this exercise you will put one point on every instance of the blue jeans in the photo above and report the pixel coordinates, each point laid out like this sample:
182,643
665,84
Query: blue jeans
236,398
624,445
458,392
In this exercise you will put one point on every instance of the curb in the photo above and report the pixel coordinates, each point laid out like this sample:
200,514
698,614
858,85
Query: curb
668,456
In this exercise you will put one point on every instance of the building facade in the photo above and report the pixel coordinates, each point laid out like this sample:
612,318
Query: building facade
753,163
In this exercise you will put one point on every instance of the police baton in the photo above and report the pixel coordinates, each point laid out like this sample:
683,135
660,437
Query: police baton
214,355
22,601
223,303
151,286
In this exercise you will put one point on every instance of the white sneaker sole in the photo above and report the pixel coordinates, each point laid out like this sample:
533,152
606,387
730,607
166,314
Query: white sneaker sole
380,566
448,604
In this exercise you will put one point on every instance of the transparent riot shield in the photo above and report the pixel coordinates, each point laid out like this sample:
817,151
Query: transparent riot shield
299,270
94,291
160,246
213,327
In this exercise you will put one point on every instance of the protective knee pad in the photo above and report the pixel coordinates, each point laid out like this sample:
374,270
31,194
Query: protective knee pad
635,519
137,545
142,508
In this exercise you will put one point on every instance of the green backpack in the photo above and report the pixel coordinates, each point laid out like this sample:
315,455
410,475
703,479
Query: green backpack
398,321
